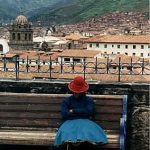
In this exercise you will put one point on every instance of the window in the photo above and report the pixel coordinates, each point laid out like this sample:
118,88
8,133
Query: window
13,36
148,46
1,47
30,61
29,36
134,46
118,52
43,62
118,46
23,61
142,46
18,36
126,53
25,26
112,45
97,44
105,46
133,54
148,54
112,53
37,45
142,55
67,59
76,60
126,46
90,45
25,36
105,52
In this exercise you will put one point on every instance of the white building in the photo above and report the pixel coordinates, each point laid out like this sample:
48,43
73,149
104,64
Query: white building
77,55
131,45
4,47
48,39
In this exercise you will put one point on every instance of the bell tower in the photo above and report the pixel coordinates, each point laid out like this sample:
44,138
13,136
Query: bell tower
21,34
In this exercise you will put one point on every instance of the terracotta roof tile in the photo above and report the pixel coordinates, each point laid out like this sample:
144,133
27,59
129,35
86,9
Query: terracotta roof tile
141,39
34,55
79,53
75,37
9,55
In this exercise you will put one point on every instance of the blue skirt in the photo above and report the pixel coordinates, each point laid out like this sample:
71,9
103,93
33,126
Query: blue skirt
80,130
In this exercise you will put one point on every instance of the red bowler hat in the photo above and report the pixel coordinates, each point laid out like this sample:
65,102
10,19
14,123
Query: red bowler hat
78,85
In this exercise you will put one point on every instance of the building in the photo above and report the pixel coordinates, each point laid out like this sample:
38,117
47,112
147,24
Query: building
4,48
49,40
131,45
77,55
21,34
76,41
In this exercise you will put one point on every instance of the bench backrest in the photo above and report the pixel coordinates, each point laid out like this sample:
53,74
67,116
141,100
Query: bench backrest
42,111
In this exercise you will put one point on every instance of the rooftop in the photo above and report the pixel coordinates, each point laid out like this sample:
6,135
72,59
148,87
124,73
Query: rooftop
139,39
79,53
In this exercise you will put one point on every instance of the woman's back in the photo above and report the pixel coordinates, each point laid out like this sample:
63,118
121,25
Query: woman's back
81,107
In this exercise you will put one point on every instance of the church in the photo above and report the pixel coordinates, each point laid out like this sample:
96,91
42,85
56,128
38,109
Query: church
21,34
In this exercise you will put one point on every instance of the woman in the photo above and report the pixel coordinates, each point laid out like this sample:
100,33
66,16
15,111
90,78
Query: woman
77,111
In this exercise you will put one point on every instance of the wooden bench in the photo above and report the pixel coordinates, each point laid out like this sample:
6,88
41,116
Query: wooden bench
33,119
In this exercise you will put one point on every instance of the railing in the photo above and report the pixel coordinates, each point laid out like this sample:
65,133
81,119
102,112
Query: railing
84,68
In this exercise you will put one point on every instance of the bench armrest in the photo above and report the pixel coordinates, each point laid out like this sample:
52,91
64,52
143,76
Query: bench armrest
123,124
122,133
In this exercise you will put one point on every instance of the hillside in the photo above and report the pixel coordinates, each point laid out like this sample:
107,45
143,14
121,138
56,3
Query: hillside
79,10
67,11
25,6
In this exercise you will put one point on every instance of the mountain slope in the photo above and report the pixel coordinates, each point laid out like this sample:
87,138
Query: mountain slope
25,6
79,10
66,11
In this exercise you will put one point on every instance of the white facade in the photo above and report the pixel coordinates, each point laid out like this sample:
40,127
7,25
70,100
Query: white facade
87,34
77,56
70,59
141,50
48,39
4,45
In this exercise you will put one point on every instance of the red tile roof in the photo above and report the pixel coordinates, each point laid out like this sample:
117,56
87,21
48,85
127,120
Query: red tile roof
34,55
10,55
79,53
141,39
75,37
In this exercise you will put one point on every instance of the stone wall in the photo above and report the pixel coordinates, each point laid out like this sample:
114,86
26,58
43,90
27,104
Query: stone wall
138,103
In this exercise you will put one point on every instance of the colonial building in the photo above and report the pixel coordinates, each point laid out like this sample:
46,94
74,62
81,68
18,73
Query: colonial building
21,34
4,48
131,45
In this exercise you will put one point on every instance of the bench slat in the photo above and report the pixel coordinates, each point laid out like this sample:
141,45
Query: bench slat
105,102
52,115
46,98
56,108
52,123
34,137
56,95
46,143
23,100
